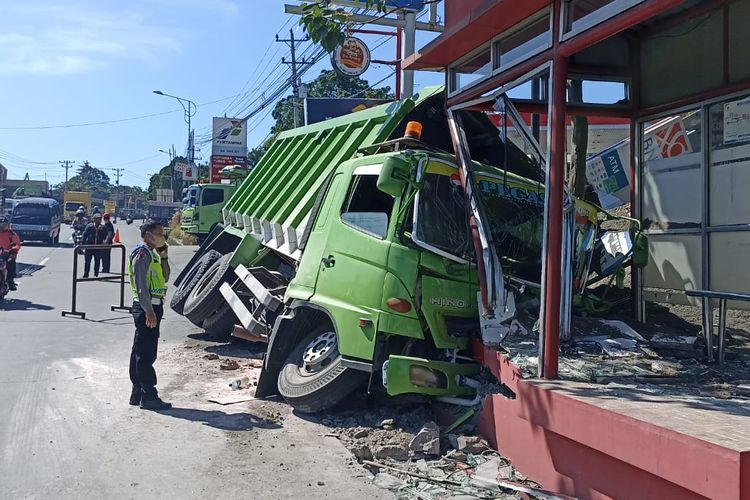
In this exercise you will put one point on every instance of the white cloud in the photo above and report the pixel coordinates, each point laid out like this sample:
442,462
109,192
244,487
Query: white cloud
52,39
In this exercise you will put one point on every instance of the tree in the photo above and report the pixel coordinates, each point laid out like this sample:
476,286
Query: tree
326,25
327,84
89,178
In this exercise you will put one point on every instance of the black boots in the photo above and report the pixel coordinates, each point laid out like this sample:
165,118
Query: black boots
135,396
155,404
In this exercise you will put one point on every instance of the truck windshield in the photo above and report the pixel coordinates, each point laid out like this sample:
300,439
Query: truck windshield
508,182
72,206
517,234
31,214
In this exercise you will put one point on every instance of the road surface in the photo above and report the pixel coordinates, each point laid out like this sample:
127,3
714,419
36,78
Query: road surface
68,432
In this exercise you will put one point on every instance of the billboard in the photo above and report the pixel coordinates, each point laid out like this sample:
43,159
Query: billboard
229,137
220,161
318,109
189,172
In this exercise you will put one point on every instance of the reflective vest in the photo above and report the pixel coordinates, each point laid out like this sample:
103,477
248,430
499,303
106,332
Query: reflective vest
157,285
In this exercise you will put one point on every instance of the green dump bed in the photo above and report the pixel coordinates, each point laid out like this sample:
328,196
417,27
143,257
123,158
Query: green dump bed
273,204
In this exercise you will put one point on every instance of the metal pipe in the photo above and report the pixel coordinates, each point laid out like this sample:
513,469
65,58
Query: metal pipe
722,328
410,33
554,209
708,327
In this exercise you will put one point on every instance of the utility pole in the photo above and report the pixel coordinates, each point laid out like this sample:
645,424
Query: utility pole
67,165
118,172
292,42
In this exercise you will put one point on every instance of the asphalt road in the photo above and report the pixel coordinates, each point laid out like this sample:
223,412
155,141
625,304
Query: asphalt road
66,430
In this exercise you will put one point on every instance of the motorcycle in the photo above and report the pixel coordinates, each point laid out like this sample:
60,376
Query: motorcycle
4,257
77,236
129,220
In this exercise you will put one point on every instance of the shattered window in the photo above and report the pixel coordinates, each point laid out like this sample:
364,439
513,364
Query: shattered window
442,214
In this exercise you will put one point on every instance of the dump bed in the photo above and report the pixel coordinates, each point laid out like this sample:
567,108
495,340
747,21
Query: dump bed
274,202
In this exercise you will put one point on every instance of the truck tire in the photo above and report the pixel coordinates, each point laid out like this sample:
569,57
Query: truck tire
221,323
313,377
205,298
186,286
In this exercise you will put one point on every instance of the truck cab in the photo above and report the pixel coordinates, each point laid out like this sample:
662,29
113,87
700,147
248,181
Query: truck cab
202,207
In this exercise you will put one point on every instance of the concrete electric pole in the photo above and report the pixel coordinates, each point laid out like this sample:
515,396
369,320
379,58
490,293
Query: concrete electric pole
67,165
292,42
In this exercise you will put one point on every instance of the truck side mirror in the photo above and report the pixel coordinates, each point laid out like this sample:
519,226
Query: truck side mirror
184,201
394,175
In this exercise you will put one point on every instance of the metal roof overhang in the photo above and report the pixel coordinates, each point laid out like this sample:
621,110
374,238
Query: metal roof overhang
479,26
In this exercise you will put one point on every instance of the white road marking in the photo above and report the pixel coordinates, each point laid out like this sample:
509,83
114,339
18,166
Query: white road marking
44,261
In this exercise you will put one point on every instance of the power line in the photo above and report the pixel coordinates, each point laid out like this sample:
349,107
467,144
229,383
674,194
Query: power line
108,122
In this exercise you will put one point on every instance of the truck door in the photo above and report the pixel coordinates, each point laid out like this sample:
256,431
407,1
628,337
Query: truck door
353,265
448,279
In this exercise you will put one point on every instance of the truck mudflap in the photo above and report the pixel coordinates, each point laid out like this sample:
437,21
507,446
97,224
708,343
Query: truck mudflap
404,374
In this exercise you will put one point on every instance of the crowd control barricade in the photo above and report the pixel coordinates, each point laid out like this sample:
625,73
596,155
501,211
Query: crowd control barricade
110,278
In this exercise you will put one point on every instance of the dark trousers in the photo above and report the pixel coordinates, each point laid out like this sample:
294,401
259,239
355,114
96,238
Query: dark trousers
87,256
143,355
105,256
11,270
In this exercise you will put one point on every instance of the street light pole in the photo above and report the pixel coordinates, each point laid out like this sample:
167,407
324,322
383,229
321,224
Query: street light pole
190,108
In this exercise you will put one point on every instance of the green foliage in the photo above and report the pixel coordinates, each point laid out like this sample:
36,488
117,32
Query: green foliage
326,24
88,178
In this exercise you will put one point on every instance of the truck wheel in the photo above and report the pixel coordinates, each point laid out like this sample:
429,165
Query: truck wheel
186,286
313,377
205,298
221,323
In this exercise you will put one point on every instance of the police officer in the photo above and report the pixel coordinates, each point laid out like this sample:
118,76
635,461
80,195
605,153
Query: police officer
149,271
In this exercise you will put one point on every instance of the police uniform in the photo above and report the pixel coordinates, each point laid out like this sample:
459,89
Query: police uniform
148,282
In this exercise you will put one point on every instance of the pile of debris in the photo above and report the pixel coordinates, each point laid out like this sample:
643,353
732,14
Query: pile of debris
408,453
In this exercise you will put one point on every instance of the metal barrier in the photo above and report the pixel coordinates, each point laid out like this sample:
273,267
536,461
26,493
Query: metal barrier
111,278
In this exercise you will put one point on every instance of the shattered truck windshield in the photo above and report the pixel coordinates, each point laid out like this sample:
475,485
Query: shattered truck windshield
508,182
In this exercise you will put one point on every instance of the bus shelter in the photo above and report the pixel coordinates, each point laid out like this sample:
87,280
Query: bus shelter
678,71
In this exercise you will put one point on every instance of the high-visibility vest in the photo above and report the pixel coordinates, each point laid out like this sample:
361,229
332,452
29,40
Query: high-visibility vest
157,285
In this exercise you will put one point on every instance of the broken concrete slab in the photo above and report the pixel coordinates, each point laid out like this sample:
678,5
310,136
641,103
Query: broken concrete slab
427,440
392,451
468,444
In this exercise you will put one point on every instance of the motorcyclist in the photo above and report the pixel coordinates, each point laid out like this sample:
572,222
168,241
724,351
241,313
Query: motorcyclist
95,210
79,220
10,244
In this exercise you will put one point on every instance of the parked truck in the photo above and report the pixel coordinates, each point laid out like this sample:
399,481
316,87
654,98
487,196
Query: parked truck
72,200
350,252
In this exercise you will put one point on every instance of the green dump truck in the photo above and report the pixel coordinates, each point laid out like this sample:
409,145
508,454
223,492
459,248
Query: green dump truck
202,208
350,252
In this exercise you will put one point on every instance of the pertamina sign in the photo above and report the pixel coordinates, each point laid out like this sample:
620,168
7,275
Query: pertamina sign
229,137
351,58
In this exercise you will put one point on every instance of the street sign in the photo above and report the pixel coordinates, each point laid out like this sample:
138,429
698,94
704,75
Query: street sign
318,109
352,58
400,4
181,167
229,137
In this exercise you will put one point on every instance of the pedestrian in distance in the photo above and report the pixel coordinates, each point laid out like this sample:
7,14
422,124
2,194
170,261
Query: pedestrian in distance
106,253
94,234
148,267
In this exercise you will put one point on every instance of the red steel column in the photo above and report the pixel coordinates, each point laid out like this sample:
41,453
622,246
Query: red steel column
556,174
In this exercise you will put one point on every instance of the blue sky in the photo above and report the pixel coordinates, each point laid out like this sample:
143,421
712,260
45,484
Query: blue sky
82,61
